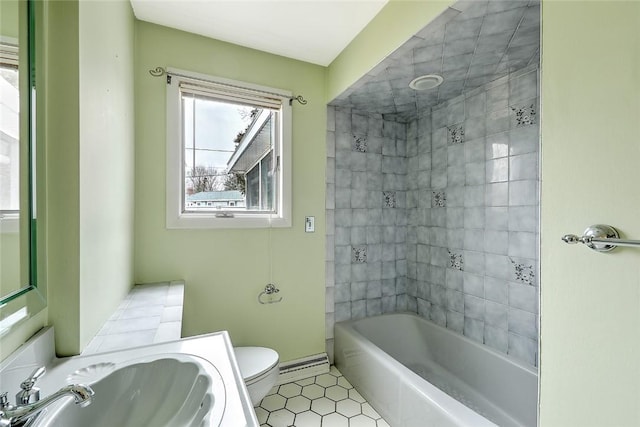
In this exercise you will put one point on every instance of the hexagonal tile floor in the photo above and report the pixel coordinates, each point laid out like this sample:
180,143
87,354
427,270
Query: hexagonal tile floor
326,400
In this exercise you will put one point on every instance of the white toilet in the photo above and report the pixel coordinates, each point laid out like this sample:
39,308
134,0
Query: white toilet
259,369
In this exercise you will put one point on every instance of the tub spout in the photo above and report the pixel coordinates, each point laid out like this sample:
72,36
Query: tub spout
21,415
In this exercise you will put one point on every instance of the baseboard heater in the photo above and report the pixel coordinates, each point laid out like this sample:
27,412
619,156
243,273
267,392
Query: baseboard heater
305,367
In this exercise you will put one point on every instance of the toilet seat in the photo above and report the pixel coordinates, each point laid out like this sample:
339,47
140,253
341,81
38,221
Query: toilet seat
256,363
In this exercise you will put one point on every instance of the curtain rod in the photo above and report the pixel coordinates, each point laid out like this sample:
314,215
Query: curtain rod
160,71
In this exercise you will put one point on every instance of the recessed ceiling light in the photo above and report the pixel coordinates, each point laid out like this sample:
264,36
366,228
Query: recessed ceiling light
426,82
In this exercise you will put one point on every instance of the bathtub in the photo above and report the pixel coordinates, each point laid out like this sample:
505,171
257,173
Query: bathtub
401,363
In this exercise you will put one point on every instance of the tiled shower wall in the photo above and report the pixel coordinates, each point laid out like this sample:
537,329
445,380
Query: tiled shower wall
366,216
472,239
439,216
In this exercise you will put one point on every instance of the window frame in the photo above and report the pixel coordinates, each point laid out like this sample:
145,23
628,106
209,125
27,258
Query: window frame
176,217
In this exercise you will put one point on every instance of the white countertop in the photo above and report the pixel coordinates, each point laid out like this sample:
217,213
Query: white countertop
150,314
216,348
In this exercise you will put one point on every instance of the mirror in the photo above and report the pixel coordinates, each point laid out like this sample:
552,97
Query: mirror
17,159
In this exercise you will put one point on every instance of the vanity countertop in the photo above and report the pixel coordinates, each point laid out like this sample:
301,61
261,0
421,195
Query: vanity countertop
215,348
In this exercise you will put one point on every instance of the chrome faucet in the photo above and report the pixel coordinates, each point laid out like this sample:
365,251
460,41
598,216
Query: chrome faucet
23,414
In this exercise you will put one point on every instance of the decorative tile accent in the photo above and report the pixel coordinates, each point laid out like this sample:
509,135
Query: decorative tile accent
439,199
324,400
525,116
524,273
359,254
359,144
389,199
456,261
456,134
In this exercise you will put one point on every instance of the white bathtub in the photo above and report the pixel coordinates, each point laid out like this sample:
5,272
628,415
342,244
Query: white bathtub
401,363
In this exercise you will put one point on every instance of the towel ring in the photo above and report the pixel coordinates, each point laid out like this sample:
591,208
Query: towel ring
270,289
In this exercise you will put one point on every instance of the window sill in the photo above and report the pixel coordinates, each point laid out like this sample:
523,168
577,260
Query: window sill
200,221
9,223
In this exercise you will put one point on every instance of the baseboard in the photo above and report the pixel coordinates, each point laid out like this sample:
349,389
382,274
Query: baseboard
299,369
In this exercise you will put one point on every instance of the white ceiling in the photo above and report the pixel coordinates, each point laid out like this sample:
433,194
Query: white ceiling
314,31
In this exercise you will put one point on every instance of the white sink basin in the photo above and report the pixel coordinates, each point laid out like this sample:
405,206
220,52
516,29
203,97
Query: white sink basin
193,381
161,390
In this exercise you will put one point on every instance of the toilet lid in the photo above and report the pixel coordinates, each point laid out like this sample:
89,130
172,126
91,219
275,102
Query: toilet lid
255,361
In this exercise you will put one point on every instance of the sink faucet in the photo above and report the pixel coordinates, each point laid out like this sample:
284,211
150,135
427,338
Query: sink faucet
22,414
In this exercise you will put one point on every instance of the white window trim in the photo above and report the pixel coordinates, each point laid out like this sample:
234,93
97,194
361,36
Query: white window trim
9,223
175,217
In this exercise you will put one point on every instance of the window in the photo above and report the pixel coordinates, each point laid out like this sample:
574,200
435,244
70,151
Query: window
228,153
9,131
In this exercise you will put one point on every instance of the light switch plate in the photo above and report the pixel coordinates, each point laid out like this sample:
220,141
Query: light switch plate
309,224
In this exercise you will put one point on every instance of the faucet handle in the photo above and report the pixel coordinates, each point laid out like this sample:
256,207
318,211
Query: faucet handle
23,397
35,376
4,402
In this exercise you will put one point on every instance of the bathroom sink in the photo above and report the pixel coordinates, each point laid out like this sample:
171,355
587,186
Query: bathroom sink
162,390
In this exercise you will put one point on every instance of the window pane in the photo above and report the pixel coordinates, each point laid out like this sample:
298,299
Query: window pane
187,114
253,188
9,140
266,181
228,149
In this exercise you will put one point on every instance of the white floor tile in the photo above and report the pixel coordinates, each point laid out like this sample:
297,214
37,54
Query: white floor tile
349,408
281,418
289,390
327,400
335,420
362,421
336,393
298,404
313,391
308,419
323,406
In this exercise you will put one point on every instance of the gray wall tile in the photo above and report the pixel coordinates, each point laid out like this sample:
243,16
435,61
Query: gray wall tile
488,182
523,348
496,315
497,145
496,290
523,323
496,338
474,329
455,321
497,218
473,284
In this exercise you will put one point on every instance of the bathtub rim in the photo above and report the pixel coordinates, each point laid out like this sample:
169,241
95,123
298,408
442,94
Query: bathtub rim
530,368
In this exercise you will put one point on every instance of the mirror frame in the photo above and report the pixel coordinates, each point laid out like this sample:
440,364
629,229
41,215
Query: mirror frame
29,230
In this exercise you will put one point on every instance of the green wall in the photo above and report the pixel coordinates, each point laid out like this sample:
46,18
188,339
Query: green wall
9,262
106,160
225,270
62,145
9,23
590,308
89,146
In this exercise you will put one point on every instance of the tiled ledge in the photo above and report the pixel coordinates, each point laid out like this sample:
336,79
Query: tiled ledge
150,314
